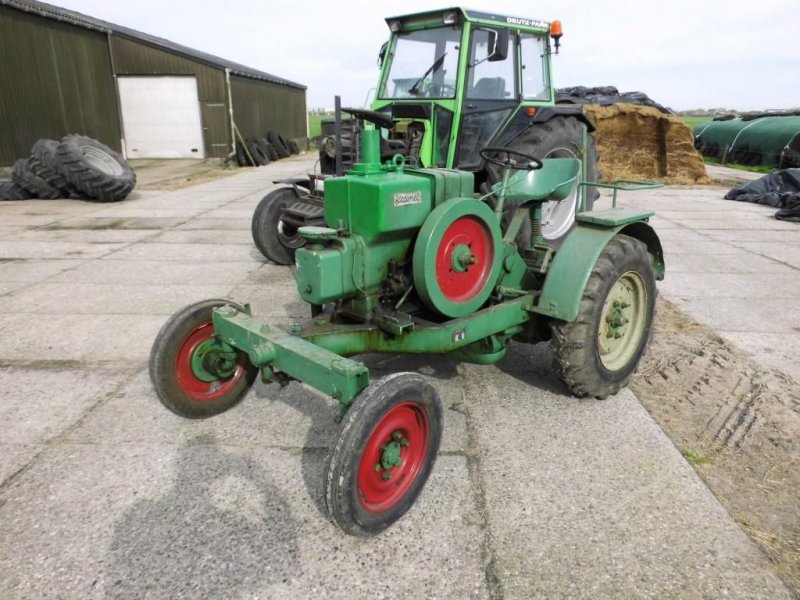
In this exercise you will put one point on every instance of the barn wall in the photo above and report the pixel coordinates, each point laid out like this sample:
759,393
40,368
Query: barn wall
56,79
261,106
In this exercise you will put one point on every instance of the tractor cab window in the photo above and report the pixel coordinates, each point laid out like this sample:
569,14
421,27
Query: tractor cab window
489,78
534,68
424,64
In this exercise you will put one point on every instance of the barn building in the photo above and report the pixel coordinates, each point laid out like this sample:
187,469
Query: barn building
64,72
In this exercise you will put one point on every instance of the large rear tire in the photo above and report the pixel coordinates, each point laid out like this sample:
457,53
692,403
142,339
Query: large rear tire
37,187
596,354
275,239
560,137
94,168
43,162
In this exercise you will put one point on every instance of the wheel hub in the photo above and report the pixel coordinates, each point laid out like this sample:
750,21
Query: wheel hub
622,321
457,257
390,455
210,362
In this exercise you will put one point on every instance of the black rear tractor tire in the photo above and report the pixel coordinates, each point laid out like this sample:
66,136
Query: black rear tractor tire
275,239
11,191
241,156
37,187
94,168
272,153
43,162
277,143
263,145
596,354
177,365
560,137
257,152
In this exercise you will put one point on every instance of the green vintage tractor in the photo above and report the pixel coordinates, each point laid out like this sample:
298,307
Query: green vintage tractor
409,260
452,82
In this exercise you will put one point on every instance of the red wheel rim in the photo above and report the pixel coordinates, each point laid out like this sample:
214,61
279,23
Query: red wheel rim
376,494
194,388
463,286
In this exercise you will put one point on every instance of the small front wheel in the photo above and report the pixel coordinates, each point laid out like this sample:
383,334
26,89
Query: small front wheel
193,374
596,354
385,452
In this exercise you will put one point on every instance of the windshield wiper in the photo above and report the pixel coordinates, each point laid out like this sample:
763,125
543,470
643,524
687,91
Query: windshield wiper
434,67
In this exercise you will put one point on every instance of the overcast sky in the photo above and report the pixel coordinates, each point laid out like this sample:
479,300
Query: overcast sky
682,53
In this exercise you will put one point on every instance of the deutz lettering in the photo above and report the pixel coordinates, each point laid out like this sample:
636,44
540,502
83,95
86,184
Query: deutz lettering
526,22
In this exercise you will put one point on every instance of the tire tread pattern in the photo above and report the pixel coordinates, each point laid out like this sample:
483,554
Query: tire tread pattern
574,344
97,185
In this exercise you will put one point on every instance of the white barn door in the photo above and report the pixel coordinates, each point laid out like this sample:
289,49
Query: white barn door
161,117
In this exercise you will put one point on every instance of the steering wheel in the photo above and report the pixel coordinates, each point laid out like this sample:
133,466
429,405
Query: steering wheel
492,154
376,118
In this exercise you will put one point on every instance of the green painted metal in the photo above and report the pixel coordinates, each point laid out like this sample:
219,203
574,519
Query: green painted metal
350,340
316,355
614,217
328,273
429,241
271,348
569,272
211,362
623,185
468,21
554,181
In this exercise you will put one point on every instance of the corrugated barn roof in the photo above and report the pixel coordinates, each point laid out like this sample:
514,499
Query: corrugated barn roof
81,20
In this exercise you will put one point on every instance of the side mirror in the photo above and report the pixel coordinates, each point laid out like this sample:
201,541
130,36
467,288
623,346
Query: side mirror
382,53
498,44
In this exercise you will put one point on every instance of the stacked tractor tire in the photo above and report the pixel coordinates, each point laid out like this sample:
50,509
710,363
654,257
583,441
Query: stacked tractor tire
257,152
76,167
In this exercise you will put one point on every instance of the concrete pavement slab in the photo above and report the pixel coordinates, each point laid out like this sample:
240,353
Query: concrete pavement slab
40,401
786,237
183,252
98,223
91,236
40,249
91,338
15,457
731,285
604,501
216,224
32,270
156,272
204,520
7,287
786,253
108,298
740,262
203,236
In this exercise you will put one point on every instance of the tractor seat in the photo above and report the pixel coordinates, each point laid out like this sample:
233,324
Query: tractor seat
489,87
554,181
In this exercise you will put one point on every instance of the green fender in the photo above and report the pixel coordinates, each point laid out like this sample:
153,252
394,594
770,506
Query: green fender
572,265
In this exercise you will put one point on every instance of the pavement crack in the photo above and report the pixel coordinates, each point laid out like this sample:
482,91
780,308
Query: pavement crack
489,559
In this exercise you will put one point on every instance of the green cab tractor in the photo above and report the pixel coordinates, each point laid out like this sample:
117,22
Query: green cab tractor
452,82
409,259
